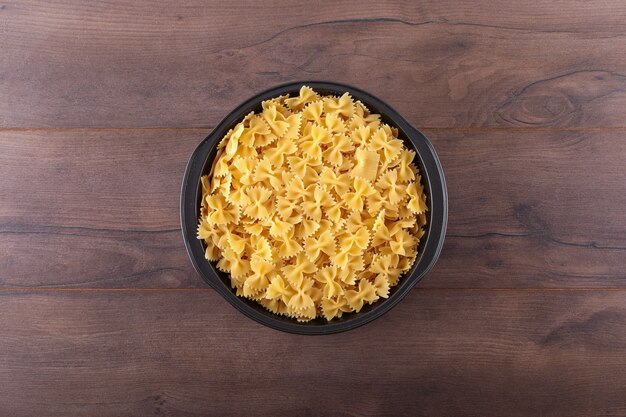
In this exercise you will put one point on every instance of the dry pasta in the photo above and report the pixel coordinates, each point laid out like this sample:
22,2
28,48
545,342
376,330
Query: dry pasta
313,206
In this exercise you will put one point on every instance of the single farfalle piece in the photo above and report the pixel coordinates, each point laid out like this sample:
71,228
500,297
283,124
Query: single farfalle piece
375,202
301,301
366,164
254,284
379,221
205,231
356,263
255,133
276,154
279,103
362,188
390,185
332,308
233,141
314,207
311,145
313,112
401,242
381,284
361,133
381,265
288,246
224,185
343,106
275,120
381,236
287,207
296,190
280,228
341,259
334,123
334,154
254,229
334,213
220,211
406,169
265,173
260,203
261,248
324,243
385,266
306,228
389,146
306,95
243,170
373,121
366,293
355,242
261,266
294,123
294,273
356,220
238,196
329,277
239,267
222,166
318,133
339,183
278,288
237,243
417,198
299,164
259,280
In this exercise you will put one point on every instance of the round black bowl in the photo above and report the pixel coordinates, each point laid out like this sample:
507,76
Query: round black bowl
429,247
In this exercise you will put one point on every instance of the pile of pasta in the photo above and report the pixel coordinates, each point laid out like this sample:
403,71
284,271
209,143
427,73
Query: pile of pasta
313,206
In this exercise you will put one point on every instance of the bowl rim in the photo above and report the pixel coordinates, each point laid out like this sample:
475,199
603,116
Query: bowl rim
430,246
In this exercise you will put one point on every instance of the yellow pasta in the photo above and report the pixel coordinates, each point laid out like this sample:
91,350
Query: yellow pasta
313,206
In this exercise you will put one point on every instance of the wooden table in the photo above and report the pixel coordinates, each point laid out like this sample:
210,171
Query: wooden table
101,104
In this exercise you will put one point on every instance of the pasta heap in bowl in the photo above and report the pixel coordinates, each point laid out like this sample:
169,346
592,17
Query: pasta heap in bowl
313,206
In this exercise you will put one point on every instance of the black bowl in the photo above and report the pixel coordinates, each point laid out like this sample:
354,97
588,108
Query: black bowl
430,244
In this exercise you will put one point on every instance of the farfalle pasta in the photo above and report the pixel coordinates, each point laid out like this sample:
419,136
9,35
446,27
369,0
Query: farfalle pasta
313,206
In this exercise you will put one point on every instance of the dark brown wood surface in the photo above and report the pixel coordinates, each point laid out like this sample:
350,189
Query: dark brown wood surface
189,353
101,104
442,64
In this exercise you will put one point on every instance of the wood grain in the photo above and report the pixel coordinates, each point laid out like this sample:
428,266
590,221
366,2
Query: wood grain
190,354
121,180
527,209
442,64
102,103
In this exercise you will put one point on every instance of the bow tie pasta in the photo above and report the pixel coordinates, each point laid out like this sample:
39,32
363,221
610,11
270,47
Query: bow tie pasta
313,206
